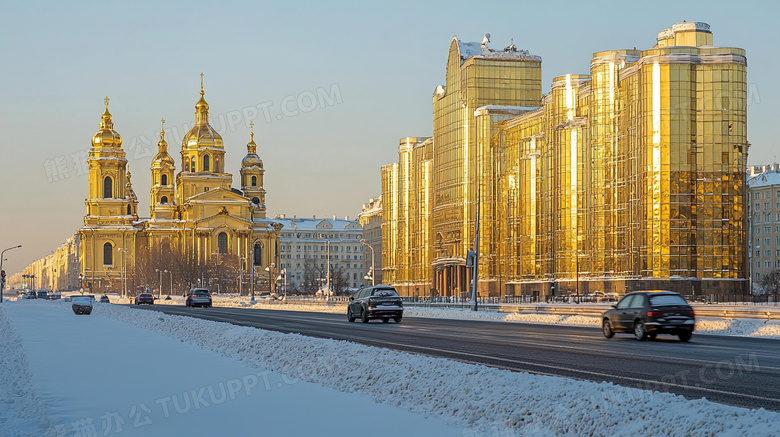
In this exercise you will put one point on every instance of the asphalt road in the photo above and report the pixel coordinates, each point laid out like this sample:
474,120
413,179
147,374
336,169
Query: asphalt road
737,371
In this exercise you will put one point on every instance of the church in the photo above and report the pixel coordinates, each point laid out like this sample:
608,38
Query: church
201,231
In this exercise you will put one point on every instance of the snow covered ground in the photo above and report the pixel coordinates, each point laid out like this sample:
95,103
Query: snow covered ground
132,372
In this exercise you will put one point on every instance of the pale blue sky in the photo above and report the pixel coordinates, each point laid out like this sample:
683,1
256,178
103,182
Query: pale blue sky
59,60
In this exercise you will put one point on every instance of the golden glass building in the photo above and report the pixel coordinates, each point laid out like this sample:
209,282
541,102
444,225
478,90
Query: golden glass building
200,227
629,177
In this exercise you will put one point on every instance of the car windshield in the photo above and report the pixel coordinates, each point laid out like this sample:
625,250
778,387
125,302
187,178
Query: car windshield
201,293
145,295
82,300
384,292
667,300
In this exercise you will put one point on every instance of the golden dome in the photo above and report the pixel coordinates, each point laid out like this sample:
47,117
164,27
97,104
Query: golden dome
162,158
251,158
202,134
106,136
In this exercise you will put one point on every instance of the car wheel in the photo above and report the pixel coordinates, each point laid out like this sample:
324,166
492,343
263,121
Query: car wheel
651,336
606,328
363,316
349,316
640,333
684,335
398,320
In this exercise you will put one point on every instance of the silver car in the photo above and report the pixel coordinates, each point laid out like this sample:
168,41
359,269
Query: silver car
198,297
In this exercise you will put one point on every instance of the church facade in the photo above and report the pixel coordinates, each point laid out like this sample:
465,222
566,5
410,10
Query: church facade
201,231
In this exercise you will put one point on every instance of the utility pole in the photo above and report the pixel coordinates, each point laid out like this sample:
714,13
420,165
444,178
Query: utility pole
475,257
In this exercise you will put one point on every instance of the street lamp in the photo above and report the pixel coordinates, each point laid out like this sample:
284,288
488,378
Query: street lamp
161,284
373,271
270,270
2,272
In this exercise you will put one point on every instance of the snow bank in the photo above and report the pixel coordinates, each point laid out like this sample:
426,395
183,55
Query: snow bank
487,401
22,412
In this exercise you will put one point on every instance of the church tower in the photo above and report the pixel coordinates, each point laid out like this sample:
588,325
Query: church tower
163,205
252,176
108,202
202,157
112,213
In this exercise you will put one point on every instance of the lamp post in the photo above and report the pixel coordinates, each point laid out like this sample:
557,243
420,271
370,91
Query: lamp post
373,271
161,284
2,280
252,276
123,277
270,270
171,272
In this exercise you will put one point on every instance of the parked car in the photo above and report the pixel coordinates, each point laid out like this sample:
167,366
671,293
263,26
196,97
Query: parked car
104,299
198,297
55,296
376,302
649,313
42,294
142,298
30,295
81,305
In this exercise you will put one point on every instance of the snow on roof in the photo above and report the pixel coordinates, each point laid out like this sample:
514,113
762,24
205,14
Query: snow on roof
476,50
312,224
516,110
765,179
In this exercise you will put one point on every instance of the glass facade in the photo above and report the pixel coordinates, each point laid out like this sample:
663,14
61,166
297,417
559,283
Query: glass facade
630,177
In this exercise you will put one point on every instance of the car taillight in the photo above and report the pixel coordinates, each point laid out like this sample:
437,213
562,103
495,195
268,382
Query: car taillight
209,297
690,313
654,314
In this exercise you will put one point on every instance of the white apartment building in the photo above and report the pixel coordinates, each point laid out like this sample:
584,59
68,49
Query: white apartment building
764,221
310,249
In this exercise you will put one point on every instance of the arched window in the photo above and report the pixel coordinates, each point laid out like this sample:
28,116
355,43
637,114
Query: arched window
108,188
129,211
186,166
164,200
206,163
222,243
258,254
255,200
108,254
192,164
164,179
216,165
254,181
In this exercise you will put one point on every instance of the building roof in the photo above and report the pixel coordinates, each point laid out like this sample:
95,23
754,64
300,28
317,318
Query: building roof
765,180
317,224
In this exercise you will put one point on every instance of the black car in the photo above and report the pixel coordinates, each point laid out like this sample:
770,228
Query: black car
144,298
198,297
376,302
104,299
42,294
649,313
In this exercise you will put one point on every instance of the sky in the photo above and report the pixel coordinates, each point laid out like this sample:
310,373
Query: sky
330,86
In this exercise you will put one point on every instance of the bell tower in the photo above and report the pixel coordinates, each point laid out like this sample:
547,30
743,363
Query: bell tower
252,176
162,194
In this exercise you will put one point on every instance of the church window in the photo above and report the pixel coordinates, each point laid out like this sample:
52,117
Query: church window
254,181
255,200
164,200
108,188
129,211
164,179
222,243
108,254
192,164
186,166
206,163
216,165
258,254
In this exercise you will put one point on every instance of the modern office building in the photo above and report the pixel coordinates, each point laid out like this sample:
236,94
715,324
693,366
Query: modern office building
629,177
764,207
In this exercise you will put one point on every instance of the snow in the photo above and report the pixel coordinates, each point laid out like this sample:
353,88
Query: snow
108,373
154,362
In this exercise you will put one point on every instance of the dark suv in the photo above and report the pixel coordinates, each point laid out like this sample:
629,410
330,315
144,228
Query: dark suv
198,297
649,313
377,302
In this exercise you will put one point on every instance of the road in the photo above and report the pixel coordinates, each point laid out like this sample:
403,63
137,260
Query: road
737,371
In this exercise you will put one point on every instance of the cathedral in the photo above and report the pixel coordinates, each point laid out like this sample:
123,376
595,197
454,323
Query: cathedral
201,231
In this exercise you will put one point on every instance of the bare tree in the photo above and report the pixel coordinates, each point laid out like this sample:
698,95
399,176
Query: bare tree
770,283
